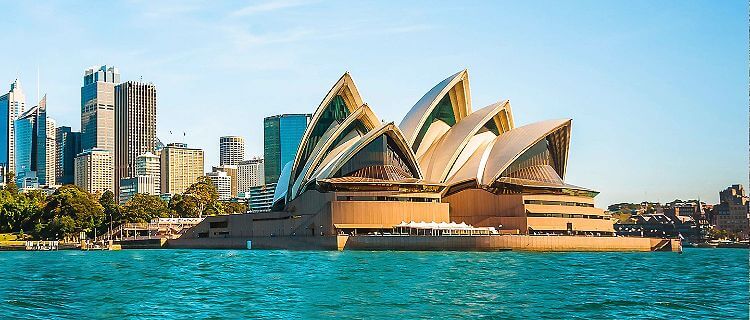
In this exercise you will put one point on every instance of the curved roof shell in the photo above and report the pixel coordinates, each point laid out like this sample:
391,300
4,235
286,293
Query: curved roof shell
328,169
439,141
343,91
487,164
334,137
444,156
418,132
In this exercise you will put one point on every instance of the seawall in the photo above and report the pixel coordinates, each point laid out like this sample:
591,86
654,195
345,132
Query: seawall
436,243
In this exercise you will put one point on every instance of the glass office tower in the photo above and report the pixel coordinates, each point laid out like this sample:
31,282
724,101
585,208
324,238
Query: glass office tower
12,104
68,146
281,138
31,146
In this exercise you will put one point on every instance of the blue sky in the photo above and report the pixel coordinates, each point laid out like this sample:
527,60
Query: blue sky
657,90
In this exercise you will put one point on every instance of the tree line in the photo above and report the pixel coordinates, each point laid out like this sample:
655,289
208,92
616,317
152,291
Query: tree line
71,210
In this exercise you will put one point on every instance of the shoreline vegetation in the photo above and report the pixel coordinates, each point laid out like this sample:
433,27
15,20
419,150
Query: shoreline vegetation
69,211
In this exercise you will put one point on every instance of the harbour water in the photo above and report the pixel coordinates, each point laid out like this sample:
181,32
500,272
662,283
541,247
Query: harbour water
700,283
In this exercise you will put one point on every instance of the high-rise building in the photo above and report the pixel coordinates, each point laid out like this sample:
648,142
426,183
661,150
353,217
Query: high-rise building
231,150
12,104
281,138
98,108
68,146
93,170
249,174
51,149
149,164
138,184
31,146
231,171
135,125
180,167
223,184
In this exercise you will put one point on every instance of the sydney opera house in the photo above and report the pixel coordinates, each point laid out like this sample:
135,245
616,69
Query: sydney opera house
445,170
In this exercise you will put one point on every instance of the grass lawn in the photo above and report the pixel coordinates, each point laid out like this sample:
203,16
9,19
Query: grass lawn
8,236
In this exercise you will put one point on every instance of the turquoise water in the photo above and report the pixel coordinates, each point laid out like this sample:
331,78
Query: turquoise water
701,283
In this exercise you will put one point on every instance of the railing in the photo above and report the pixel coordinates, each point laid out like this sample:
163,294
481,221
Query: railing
124,229
136,230
41,245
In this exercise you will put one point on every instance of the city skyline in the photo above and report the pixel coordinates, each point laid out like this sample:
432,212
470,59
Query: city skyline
669,113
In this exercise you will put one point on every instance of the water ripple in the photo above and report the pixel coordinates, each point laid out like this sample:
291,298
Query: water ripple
221,284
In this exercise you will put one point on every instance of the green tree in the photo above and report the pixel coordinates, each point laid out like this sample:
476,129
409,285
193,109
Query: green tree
235,207
59,228
112,210
175,202
8,213
199,197
82,207
214,208
143,208
10,183
20,211
29,208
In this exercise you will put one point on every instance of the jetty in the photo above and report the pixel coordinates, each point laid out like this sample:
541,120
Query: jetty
42,245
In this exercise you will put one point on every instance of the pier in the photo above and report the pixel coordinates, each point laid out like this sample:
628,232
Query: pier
42,245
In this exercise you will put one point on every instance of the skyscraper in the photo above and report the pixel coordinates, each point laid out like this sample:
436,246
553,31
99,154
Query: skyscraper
93,170
31,146
249,174
180,167
12,104
68,145
281,138
135,125
51,150
149,164
98,108
231,150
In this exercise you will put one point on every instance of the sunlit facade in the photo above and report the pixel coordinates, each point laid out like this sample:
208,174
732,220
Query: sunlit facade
180,167
249,174
231,150
12,104
135,126
442,163
223,183
98,107
497,174
93,170
446,178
